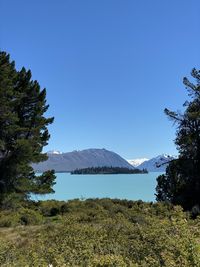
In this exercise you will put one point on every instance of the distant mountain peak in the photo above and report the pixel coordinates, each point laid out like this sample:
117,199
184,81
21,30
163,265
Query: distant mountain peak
54,152
158,163
137,162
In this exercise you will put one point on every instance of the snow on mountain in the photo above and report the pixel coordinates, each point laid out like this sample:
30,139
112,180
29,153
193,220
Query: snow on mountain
137,162
55,152
157,164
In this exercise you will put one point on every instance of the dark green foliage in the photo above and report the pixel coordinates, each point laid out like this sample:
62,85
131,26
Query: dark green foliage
23,132
181,183
108,170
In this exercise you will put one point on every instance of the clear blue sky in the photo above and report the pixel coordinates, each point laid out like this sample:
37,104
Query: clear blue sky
110,67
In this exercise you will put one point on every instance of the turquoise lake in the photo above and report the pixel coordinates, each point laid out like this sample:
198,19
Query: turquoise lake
122,186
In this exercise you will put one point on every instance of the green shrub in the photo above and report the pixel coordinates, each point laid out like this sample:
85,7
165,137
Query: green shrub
8,219
99,232
108,261
29,217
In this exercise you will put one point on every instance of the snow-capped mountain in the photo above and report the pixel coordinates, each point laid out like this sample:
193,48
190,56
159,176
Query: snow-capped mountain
66,162
157,164
55,152
136,162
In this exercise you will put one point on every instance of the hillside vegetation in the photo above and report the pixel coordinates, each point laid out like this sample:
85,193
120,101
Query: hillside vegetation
98,232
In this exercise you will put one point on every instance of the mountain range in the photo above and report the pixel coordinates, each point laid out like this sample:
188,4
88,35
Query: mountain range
156,164
70,161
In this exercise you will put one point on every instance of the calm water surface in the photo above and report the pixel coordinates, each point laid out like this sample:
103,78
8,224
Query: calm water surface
129,186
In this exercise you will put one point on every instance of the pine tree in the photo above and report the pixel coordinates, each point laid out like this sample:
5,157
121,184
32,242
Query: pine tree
23,132
181,183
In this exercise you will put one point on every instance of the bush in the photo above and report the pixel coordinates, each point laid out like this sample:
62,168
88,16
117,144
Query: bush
108,261
100,232
30,217
21,217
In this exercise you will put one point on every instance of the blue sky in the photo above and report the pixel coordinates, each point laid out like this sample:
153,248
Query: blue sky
110,67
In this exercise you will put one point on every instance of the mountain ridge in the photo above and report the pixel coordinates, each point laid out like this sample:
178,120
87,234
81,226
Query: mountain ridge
70,161
155,164
136,162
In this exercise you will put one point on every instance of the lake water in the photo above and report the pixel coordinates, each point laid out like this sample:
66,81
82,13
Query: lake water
122,186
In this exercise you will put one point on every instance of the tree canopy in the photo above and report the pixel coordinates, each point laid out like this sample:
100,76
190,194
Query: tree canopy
23,132
181,183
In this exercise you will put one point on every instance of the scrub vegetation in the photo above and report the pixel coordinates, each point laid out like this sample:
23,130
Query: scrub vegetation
98,232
